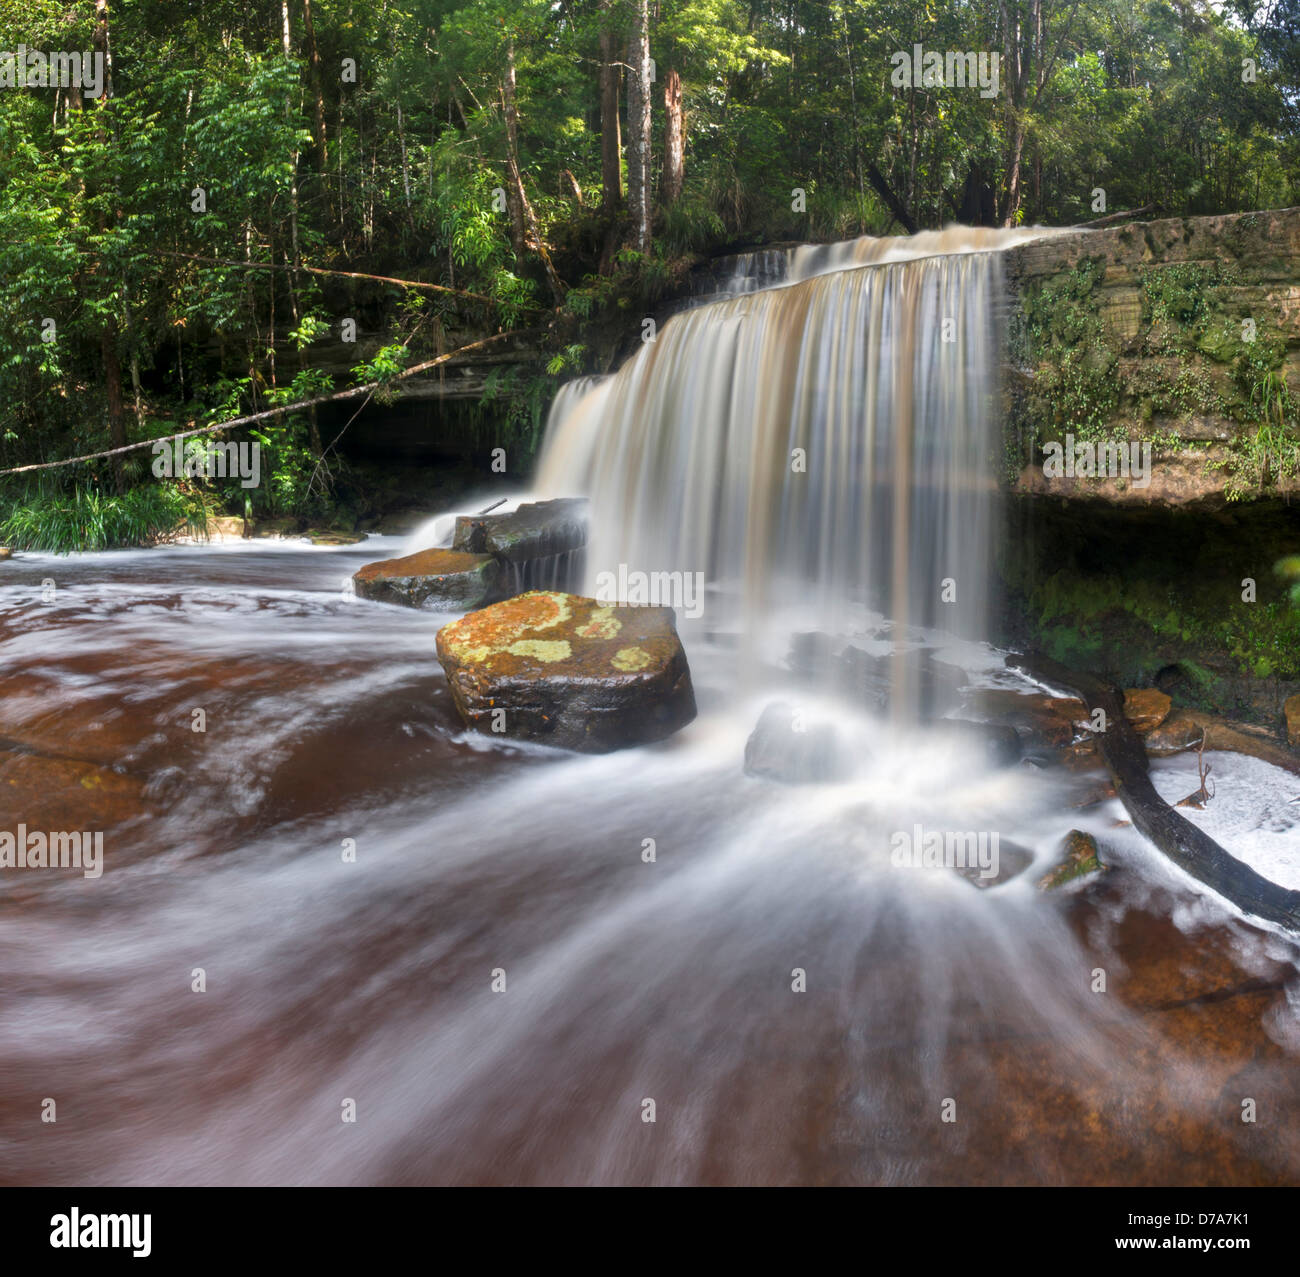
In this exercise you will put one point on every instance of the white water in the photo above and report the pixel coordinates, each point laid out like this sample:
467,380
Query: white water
329,719
824,446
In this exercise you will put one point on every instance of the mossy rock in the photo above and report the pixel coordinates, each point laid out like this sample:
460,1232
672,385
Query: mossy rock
1079,858
569,671
435,580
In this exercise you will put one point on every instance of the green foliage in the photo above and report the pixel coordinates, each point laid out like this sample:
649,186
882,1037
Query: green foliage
51,520
101,236
1059,333
1268,452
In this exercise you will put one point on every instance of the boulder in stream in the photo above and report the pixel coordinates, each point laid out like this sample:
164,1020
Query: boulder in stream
568,671
782,747
436,580
1010,860
539,545
492,557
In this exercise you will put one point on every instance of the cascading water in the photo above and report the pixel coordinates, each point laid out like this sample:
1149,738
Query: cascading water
351,871
816,448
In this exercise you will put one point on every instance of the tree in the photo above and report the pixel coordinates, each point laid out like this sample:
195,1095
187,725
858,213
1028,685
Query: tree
638,126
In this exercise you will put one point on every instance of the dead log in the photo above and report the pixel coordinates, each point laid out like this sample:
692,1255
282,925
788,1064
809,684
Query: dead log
1113,219
1190,848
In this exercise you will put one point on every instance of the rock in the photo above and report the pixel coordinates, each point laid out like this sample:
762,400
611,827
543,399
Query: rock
1046,722
1061,724
993,744
1290,708
567,671
279,527
1079,857
1146,708
936,685
225,528
437,580
5,553
1178,732
782,748
318,537
538,530
1093,794
1009,861
1183,730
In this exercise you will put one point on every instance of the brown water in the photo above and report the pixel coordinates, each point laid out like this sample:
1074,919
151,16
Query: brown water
625,980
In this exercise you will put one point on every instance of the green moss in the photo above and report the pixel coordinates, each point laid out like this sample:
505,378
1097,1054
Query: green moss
1059,334
1077,617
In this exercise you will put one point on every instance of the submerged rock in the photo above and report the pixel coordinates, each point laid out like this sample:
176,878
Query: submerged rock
1079,858
437,580
932,687
781,747
567,671
993,744
1010,861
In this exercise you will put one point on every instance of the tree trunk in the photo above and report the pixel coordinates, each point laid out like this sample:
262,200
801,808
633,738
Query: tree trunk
1189,847
638,127
670,186
892,202
515,186
611,139
318,96
108,334
516,197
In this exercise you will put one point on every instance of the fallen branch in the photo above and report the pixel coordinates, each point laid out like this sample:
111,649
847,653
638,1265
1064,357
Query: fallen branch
321,270
354,393
1199,797
1112,218
1190,848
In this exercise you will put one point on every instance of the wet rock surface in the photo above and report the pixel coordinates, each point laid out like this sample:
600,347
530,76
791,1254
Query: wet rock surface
537,530
989,744
783,748
1010,861
1185,729
1078,858
436,580
567,671
929,686
1060,726
492,557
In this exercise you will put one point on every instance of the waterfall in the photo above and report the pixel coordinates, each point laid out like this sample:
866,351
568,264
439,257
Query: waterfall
812,448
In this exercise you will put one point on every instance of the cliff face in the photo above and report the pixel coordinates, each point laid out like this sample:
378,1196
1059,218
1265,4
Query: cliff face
1181,337
1183,334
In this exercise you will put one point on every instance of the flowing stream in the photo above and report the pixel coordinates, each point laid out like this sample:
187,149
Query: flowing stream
500,955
